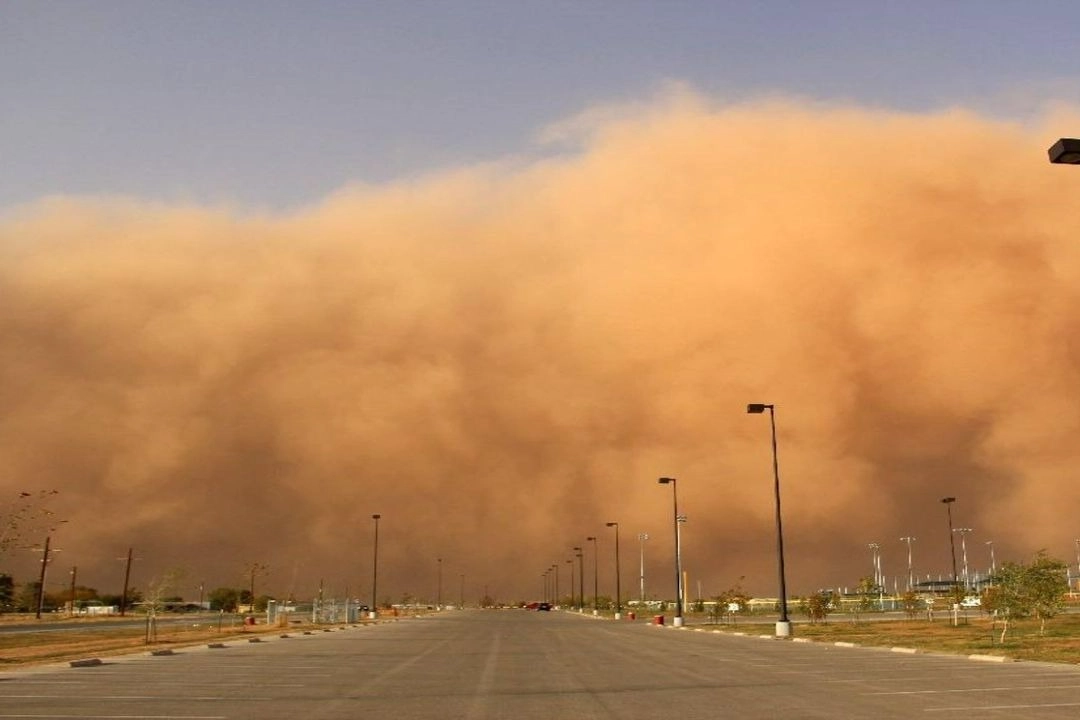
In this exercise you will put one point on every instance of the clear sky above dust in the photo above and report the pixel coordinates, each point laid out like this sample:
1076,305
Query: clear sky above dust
268,269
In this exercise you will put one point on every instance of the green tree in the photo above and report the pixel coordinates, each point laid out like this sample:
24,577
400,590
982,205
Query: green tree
1021,590
818,606
868,591
912,604
227,599
1048,584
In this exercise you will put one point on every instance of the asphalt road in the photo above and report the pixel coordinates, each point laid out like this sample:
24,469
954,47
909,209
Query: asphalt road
520,665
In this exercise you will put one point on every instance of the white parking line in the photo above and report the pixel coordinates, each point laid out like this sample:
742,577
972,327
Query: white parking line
979,690
976,708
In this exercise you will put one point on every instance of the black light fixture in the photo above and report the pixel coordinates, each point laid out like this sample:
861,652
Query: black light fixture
1065,151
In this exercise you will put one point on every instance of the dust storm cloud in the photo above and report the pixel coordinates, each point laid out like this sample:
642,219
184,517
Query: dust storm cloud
500,359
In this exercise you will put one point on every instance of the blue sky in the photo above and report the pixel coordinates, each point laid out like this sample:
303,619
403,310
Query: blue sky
272,105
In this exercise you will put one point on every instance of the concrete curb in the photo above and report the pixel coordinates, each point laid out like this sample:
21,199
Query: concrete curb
989,658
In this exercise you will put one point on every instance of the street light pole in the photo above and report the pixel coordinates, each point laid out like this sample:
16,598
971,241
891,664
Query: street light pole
373,613
910,575
438,592
783,626
952,542
678,553
596,576
580,555
555,599
963,552
618,583
642,537
573,595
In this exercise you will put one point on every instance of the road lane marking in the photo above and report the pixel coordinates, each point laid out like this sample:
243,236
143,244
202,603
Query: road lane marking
1000,707
977,689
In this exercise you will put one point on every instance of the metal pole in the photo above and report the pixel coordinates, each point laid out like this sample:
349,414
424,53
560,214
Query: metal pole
779,528
952,541
910,576
581,577
555,568
375,570
41,579
573,595
74,572
963,550
642,537
678,550
618,583
596,576
127,576
438,594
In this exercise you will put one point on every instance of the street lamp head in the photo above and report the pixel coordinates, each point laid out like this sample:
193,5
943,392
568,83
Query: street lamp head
1065,151
376,516
948,500
576,549
665,480
757,408
612,524
590,538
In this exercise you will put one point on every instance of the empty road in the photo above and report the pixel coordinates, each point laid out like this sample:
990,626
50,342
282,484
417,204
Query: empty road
519,665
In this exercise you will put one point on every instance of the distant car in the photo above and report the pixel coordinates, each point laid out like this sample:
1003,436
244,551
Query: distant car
544,606
971,601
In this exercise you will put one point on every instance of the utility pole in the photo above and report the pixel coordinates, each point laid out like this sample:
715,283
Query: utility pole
127,577
41,579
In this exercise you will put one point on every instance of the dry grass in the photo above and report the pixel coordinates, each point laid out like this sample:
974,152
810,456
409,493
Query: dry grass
977,635
83,640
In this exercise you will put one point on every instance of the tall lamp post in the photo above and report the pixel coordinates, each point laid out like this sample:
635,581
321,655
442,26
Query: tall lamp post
910,576
596,575
783,625
952,542
438,591
580,555
642,537
373,613
573,595
618,582
963,553
678,553
993,561
555,598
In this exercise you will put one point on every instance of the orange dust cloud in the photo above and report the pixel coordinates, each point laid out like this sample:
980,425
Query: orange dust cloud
500,359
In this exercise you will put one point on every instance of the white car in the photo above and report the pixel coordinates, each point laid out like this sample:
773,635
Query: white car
971,601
